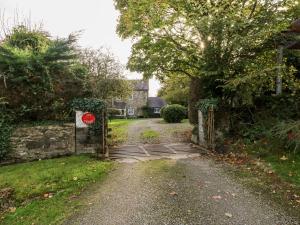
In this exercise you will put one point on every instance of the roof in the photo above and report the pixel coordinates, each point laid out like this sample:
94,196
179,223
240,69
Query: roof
156,102
140,85
119,105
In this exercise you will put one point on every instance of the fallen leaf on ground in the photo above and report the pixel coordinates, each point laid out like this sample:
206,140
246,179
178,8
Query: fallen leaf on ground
217,197
284,158
48,195
173,193
12,209
228,215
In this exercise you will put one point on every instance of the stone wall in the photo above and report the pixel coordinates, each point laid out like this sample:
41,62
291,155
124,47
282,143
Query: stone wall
42,142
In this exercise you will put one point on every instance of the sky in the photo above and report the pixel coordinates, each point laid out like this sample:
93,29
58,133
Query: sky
96,18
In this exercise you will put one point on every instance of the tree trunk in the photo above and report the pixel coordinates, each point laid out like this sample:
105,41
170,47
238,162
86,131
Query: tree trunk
196,93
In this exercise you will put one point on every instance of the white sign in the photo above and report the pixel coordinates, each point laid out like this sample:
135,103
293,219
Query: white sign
79,122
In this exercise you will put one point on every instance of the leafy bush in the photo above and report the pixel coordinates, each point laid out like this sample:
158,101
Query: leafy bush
174,113
162,110
289,134
146,111
254,132
205,104
44,70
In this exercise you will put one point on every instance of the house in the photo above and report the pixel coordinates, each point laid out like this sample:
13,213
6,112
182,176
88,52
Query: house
133,106
139,99
155,104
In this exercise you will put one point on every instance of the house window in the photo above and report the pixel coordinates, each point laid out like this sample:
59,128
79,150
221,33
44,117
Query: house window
156,110
130,111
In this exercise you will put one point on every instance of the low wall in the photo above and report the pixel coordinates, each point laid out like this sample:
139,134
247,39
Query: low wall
42,142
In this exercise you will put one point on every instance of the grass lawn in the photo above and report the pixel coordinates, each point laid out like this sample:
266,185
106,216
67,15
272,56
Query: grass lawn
45,192
162,121
285,165
270,171
288,169
119,132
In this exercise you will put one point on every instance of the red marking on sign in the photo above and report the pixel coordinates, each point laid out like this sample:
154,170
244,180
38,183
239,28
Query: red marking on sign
88,118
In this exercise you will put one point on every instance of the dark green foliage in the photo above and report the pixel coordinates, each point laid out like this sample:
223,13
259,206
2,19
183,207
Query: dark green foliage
91,105
288,133
252,133
174,113
41,74
283,107
204,104
146,111
162,111
5,132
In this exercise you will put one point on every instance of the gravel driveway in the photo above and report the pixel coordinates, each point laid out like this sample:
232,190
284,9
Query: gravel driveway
168,133
176,192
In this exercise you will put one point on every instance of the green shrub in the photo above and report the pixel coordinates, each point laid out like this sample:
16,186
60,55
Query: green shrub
174,113
288,133
162,110
146,111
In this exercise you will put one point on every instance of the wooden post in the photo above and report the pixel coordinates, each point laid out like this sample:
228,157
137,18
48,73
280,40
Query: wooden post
103,133
211,129
105,136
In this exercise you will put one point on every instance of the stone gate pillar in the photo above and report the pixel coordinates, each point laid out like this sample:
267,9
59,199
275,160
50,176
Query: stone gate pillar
201,134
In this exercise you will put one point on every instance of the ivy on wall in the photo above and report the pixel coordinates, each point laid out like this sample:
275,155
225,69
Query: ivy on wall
5,133
204,104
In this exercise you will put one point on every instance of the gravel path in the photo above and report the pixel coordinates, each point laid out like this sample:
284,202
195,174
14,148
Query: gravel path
168,133
176,192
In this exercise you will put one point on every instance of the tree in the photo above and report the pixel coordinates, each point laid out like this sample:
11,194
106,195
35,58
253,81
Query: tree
35,70
175,90
228,44
105,78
